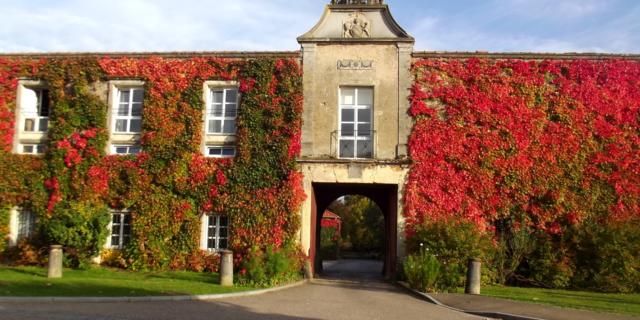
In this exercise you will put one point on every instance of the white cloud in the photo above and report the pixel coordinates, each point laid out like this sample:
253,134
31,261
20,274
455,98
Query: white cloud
214,25
145,25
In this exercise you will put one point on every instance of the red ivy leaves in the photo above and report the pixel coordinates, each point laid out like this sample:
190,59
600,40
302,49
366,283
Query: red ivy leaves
524,136
55,196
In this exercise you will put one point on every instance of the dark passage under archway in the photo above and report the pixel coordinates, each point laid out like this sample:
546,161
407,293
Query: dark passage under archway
384,195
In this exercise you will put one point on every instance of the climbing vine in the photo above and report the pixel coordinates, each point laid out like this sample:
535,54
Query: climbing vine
558,140
552,146
170,184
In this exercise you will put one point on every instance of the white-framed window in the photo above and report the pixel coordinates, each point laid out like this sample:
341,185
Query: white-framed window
120,229
26,224
28,148
127,111
355,120
220,151
34,109
216,232
222,110
123,149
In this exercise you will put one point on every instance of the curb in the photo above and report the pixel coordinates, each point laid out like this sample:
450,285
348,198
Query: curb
201,297
488,314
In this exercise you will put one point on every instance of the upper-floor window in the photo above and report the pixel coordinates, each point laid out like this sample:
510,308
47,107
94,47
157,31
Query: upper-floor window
222,110
34,109
127,114
355,121
120,229
217,232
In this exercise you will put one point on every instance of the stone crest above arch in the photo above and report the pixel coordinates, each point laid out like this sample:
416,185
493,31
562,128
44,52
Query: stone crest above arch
356,21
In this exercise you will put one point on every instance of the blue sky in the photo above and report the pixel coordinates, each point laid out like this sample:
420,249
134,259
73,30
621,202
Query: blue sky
214,25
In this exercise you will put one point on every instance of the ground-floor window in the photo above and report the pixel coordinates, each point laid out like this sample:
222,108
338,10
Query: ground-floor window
26,224
120,229
217,232
220,151
32,149
125,149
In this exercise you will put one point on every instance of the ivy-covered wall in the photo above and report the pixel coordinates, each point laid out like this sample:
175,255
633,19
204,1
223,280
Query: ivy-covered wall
170,184
556,140
551,147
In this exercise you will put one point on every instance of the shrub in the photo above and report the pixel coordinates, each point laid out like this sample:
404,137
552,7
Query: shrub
513,243
80,228
549,265
112,258
27,254
607,256
271,266
453,243
422,271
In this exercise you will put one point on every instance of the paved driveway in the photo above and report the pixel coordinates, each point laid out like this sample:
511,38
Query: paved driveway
321,299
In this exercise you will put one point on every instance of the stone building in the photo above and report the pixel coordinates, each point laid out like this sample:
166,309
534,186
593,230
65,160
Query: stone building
356,74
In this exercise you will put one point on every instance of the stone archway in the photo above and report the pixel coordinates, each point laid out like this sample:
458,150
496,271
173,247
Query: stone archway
384,195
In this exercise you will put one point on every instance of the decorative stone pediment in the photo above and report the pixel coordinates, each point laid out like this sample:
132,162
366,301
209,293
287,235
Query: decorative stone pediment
356,21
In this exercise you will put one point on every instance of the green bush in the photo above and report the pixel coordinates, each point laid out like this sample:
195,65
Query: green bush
453,242
607,256
271,266
422,271
549,265
80,228
514,243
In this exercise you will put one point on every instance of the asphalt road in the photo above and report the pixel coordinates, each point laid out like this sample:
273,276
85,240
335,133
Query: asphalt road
322,299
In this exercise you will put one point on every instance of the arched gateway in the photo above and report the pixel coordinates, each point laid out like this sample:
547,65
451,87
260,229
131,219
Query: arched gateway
356,79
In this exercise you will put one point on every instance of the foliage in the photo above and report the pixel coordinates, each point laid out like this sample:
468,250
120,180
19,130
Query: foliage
552,143
169,185
112,258
271,266
362,224
514,242
549,265
329,243
422,270
26,254
81,229
570,153
607,258
453,243
5,214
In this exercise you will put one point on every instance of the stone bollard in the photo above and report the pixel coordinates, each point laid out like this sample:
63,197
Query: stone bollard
473,277
226,268
55,262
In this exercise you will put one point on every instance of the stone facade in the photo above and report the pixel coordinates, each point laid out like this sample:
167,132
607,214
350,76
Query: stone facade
355,45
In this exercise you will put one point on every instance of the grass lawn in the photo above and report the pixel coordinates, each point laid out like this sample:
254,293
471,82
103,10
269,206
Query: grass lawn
604,302
104,282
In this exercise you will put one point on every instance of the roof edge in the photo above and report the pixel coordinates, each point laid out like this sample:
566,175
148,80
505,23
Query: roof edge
170,54
525,55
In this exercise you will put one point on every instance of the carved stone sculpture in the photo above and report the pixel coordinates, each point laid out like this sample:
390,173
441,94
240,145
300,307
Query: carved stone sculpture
356,26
